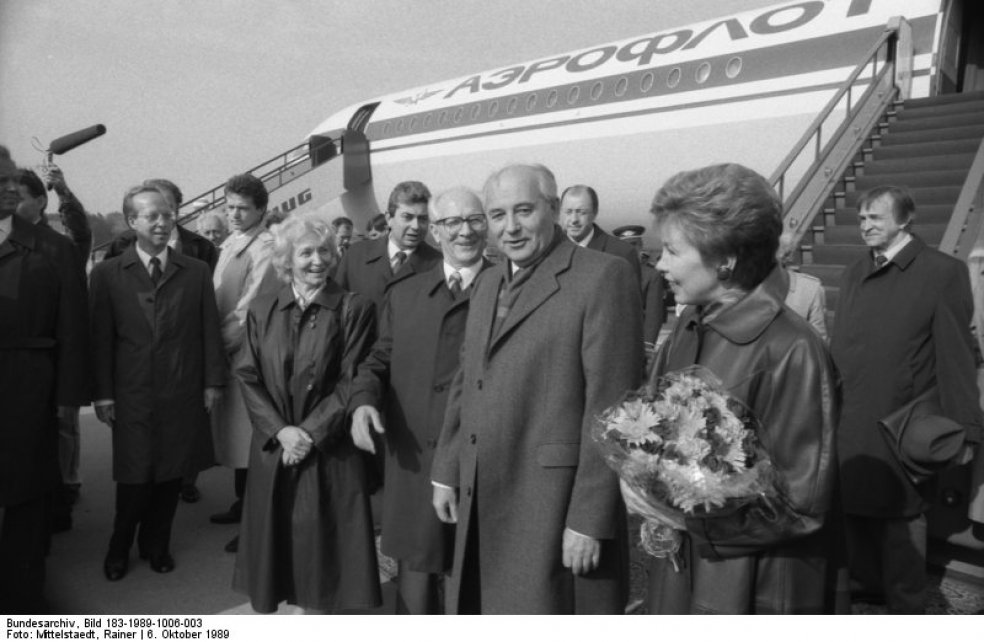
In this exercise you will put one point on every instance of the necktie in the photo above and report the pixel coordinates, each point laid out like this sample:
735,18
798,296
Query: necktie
155,270
397,261
454,283
880,260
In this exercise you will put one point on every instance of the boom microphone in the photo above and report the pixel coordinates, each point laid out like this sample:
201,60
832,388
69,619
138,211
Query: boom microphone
68,142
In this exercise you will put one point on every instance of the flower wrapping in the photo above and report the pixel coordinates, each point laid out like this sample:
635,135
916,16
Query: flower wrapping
686,448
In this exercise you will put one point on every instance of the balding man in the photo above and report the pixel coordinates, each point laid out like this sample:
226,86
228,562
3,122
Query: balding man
408,376
578,211
553,338
43,376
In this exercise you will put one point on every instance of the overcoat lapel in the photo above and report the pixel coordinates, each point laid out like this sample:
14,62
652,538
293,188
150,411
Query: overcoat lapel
175,262
542,285
135,270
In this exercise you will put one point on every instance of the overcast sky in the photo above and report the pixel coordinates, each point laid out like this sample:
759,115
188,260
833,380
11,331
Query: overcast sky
196,90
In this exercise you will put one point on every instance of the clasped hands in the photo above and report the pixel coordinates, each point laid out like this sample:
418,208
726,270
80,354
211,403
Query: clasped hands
296,444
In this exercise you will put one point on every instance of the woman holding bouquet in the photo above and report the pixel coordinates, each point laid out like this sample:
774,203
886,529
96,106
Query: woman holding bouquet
720,227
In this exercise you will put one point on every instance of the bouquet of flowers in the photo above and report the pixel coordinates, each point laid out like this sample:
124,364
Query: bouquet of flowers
686,448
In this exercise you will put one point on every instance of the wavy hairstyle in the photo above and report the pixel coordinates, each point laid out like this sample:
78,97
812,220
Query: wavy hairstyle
287,234
724,211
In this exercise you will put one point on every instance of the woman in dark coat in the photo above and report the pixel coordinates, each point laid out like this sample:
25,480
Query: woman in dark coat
720,227
307,534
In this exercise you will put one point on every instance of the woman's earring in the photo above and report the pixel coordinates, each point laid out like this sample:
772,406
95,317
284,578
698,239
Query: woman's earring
724,273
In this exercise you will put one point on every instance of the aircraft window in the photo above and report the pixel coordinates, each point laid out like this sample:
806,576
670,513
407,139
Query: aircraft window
703,73
511,105
476,110
646,84
458,114
427,121
674,78
443,118
413,123
552,98
531,102
493,108
401,126
621,86
386,129
733,68
573,95
596,90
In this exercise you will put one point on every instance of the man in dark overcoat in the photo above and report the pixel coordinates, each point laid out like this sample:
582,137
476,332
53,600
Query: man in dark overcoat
578,212
372,267
43,374
408,375
553,338
902,328
159,367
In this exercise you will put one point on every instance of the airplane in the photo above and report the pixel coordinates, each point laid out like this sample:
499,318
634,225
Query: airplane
802,92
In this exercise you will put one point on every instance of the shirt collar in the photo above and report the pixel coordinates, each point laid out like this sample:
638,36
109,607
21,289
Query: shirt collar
468,273
392,248
302,302
901,241
145,258
587,239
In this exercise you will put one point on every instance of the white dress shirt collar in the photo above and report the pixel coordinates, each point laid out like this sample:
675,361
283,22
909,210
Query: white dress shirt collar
587,239
468,274
145,258
392,248
900,242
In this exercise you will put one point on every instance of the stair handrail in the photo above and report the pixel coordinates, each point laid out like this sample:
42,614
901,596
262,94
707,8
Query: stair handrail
814,132
964,231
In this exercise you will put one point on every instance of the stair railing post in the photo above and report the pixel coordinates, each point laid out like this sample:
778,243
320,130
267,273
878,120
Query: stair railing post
902,48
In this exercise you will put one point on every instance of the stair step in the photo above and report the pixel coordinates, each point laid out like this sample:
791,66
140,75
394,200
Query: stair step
928,121
930,233
829,274
918,163
838,254
909,111
925,215
933,148
971,132
945,99
913,180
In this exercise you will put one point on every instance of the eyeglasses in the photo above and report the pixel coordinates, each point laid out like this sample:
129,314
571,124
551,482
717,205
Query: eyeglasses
156,217
453,224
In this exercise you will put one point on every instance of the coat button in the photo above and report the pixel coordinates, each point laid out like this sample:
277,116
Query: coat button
479,384
150,299
472,438
310,386
468,491
431,443
439,388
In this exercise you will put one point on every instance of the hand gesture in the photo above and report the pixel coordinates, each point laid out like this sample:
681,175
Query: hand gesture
581,553
365,419
53,177
106,413
446,504
296,444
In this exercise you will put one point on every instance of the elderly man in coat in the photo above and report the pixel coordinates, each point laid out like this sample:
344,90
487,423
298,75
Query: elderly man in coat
43,352
407,376
553,338
159,366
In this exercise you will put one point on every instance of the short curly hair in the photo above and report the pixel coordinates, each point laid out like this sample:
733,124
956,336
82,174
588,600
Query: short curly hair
407,193
294,228
249,186
725,210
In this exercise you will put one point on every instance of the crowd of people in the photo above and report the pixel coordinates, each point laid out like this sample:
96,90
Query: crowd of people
442,393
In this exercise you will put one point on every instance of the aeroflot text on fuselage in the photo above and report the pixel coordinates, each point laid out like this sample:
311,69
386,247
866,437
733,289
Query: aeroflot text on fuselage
641,52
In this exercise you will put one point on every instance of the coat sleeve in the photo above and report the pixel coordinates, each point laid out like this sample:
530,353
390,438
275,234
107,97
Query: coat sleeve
214,357
956,374
261,277
326,421
372,376
76,223
263,414
102,333
817,313
612,358
797,407
445,467
654,309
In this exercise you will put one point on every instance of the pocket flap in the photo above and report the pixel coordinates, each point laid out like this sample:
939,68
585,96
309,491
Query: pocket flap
557,455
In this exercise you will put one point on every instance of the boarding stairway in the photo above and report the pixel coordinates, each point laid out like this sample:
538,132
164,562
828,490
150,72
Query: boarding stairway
925,145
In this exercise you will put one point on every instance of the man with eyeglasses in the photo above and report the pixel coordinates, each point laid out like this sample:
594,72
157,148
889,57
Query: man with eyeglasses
43,374
159,369
407,377
372,267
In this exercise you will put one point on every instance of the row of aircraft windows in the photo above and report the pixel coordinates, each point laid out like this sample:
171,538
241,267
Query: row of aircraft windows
646,82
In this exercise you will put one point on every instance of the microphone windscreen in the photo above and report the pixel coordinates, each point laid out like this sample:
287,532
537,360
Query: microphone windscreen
69,142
